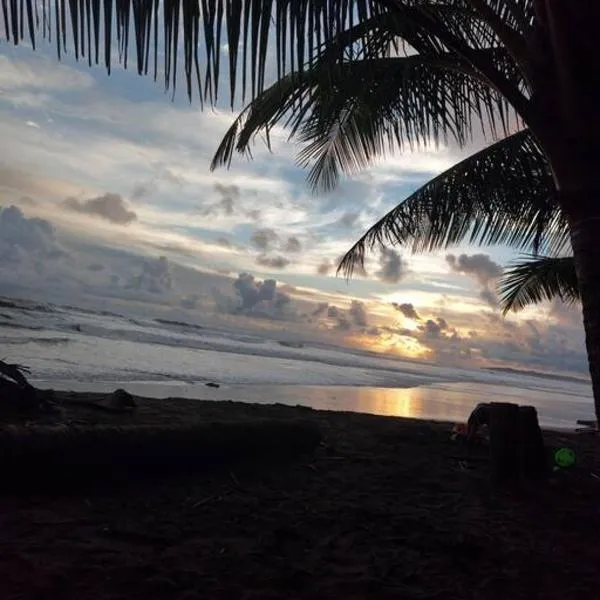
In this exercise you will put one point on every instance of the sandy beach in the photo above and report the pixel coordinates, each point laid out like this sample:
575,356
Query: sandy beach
383,509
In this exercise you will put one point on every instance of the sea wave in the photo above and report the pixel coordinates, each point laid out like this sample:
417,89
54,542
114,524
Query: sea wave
49,341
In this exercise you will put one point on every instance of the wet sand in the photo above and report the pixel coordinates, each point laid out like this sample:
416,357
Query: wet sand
382,510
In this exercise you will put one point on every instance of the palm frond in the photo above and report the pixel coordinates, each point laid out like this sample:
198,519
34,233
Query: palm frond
538,278
350,113
503,194
244,32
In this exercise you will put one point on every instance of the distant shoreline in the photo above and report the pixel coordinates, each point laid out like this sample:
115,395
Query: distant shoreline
541,374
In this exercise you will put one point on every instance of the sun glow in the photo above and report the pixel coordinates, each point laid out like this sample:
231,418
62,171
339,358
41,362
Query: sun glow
392,343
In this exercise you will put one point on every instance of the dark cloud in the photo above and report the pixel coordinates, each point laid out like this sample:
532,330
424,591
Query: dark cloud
408,310
254,214
96,267
26,239
392,267
293,245
273,262
433,329
229,194
348,220
224,242
481,268
343,324
226,205
489,297
333,312
190,302
324,268
260,298
264,239
358,313
140,191
110,207
252,292
155,277
320,309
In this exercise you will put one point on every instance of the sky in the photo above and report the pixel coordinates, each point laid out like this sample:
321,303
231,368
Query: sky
107,198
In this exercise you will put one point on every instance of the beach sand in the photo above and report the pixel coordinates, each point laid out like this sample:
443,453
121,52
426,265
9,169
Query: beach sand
383,510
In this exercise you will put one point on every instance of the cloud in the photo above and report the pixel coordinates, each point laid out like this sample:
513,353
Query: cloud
26,239
273,262
324,268
348,220
482,269
190,302
479,266
155,277
358,313
489,297
227,202
433,329
392,266
408,310
259,298
110,207
252,292
320,309
264,239
293,245
96,267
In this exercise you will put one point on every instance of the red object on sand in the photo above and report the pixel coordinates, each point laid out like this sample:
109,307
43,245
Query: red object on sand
460,428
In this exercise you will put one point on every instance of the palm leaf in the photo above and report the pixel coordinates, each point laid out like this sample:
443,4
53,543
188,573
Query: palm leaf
536,279
503,194
350,113
245,32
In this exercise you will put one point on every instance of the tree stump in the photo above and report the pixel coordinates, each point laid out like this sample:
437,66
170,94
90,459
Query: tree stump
504,444
531,446
517,454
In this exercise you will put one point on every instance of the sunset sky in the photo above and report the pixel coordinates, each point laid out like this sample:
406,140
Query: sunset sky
108,200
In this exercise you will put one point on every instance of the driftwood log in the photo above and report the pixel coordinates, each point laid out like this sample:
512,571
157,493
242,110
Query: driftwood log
517,454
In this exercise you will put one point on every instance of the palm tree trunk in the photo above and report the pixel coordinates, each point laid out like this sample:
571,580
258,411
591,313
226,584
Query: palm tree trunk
574,124
584,218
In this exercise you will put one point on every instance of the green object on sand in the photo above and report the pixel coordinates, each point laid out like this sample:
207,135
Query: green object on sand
565,457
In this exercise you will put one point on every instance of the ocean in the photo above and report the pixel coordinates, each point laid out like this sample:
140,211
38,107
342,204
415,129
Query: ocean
84,349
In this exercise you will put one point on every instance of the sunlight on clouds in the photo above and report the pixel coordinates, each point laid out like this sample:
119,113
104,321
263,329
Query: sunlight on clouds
393,343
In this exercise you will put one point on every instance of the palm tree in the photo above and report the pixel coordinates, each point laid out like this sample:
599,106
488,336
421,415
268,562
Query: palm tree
467,62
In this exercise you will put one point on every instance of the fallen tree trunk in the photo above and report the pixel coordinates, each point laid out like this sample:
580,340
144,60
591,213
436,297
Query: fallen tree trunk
42,456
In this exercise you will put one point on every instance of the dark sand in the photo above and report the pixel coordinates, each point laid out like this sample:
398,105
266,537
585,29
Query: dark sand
381,511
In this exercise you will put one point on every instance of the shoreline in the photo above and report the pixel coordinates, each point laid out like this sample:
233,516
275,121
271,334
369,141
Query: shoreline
442,402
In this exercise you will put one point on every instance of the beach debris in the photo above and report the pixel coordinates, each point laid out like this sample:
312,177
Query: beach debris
15,373
587,427
564,458
18,395
121,400
212,385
